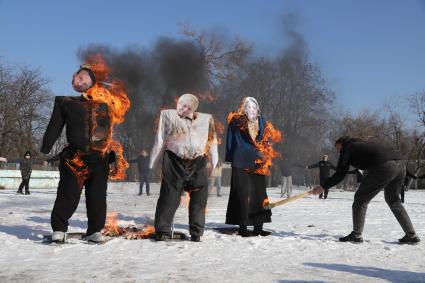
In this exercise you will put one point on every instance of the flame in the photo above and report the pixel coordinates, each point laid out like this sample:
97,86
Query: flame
266,202
114,95
265,146
112,224
233,115
112,229
80,170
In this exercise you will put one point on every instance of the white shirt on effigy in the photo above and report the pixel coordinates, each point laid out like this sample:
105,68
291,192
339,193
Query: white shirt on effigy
185,137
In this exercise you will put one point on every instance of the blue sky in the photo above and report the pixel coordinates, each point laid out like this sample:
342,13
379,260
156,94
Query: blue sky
368,51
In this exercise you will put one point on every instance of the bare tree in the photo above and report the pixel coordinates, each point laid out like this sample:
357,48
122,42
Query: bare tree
24,108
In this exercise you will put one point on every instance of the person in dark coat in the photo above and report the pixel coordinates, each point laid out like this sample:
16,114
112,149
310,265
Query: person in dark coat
85,161
385,170
25,166
144,172
247,188
325,167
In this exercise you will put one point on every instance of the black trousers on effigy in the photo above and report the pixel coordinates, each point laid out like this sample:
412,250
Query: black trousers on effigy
69,192
182,175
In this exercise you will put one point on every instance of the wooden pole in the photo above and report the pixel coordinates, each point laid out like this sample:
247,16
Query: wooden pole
285,201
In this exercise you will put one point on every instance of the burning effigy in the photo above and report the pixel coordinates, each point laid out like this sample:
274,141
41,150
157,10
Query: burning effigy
249,148
187,138
92,155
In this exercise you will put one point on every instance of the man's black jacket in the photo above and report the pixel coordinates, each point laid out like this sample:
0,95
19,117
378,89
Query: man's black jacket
88,124
324,169
361,155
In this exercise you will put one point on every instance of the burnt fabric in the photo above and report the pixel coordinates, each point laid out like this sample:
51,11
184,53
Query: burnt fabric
88,125
247,189
247,194
182,175
88,131
240,148
69,192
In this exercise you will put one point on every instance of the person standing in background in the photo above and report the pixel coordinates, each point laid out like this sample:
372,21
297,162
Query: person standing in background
144,172
25,166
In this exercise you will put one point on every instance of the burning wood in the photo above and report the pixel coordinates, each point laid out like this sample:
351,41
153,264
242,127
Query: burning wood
129,232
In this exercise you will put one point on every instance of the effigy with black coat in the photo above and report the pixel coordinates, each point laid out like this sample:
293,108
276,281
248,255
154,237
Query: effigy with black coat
248,188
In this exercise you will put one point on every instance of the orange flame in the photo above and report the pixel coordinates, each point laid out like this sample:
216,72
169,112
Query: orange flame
233,115
79,169
112,224
266,202
112,229
114,95
264,146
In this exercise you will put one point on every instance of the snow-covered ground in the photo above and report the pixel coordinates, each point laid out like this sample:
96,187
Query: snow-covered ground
304,245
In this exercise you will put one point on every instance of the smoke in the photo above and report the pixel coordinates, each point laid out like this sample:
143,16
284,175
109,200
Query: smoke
298,47
168,70
182,67
153,78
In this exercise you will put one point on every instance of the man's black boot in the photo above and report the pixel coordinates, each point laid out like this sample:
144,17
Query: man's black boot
409,238
352,237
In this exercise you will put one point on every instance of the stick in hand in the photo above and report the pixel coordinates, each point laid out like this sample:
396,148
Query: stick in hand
268,205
